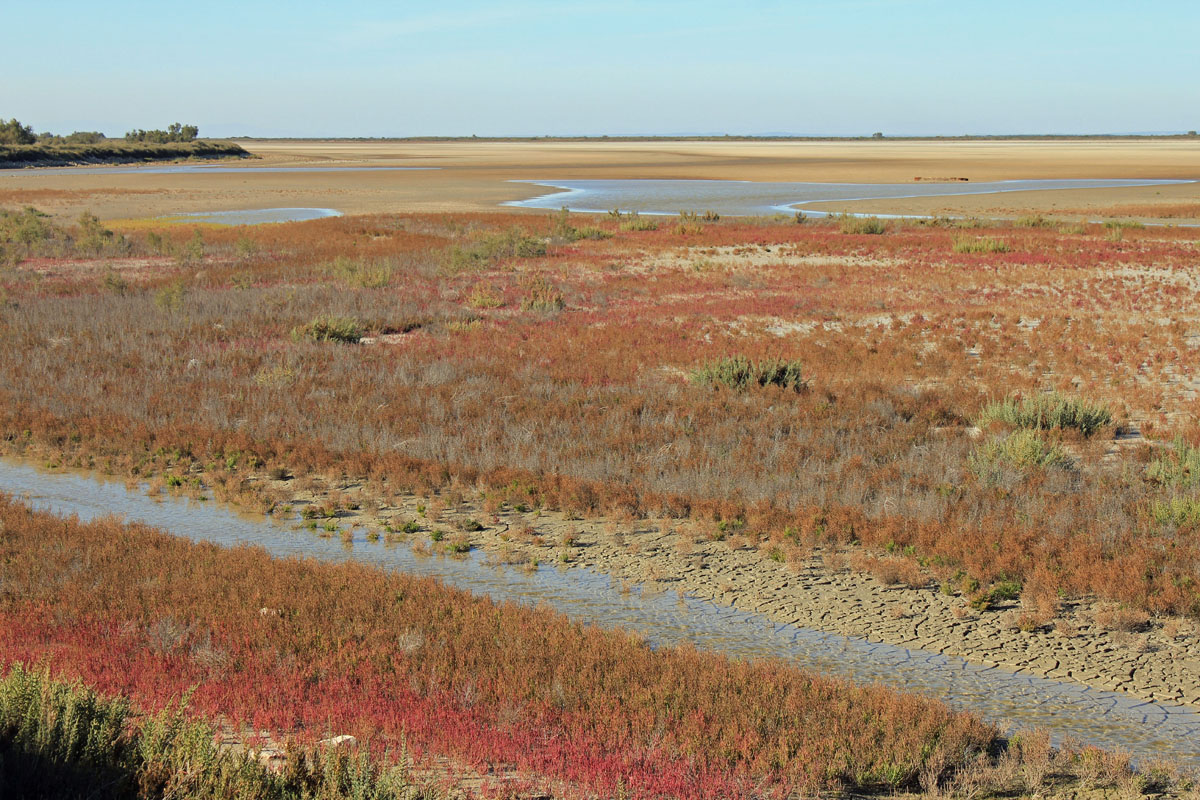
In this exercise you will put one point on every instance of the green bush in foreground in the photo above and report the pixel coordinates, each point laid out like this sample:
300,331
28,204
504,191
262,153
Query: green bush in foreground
62,740
740,372
1047,411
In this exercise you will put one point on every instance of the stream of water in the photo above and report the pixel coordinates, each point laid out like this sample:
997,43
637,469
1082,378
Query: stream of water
749,198
1108,719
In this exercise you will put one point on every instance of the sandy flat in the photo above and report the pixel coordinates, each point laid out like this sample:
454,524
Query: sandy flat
475,176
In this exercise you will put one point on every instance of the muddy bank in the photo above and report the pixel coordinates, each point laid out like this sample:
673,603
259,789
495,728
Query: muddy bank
1083,641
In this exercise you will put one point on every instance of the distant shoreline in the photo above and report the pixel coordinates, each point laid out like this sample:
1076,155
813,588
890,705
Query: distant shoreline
1036,137
26,156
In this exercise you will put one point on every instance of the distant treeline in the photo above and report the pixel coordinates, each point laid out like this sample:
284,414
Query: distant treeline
175,132
21,147
875,137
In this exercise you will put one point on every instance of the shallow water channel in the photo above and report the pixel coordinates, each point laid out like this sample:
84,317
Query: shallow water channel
749,198
1013,700
252,216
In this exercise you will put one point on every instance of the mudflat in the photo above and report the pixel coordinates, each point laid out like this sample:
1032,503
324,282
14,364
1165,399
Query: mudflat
477,176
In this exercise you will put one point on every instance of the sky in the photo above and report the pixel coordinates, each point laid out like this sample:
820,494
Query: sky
534,67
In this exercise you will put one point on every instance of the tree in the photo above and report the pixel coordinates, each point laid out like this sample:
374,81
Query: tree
13,132
175,132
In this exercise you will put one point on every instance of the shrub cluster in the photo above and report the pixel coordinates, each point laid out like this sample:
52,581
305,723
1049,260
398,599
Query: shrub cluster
848,223
332,329
1047,411
488,250
739,372
986,244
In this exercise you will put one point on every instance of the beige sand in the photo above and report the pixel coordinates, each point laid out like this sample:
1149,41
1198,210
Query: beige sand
474,176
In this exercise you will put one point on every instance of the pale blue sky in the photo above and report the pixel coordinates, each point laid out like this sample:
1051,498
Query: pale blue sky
529,67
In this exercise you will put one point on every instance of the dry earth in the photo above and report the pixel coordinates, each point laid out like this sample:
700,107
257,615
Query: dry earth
476,176
1157,661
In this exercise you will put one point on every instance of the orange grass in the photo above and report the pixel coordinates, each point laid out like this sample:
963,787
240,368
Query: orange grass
589,407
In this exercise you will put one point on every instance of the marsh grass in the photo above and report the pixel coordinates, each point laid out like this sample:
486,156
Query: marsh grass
689,224
360,273
632,221
861,225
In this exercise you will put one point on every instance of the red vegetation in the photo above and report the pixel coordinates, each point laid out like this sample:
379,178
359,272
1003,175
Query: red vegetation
312,649
588,408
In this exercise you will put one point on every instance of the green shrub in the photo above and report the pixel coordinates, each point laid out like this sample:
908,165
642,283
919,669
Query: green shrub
563,229
1123,224
635,222
1180,511
489,250
543,296
483,296
61,740
1047,411
26,232
985,244
93,236
1005,591
1177,467
739,372
331,329
1020,452
864,225
592,232
171,298
689,224
1033,221
1117,227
